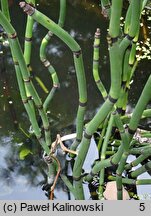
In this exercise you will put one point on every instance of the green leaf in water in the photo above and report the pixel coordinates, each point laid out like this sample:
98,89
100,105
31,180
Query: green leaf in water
24,152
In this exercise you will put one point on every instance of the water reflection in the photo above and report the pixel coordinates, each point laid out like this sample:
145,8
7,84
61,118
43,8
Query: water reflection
22,179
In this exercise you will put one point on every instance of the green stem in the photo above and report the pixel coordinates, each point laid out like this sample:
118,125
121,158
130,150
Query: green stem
28,37
137,161
128,19
135,17
113,160
132,181
146,114
116,9
105,123
141,170
28,47
103,154
140,106
96,64
119,172
62,14
68,184
145,150
5,9
124,137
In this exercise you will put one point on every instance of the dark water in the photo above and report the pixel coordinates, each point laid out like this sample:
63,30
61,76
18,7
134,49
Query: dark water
22,179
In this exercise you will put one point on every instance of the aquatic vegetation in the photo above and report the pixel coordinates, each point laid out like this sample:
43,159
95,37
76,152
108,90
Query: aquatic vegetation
117,131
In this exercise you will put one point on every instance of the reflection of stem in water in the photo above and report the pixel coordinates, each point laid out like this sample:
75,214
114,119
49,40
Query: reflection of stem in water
6,89
24,132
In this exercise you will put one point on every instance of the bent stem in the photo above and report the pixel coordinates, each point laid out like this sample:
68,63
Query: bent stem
78,60
44,59
96,64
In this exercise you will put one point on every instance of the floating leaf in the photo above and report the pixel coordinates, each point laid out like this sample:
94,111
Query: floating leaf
24,152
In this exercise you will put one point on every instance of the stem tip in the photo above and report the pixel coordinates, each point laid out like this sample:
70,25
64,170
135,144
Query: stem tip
22,4
28,9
